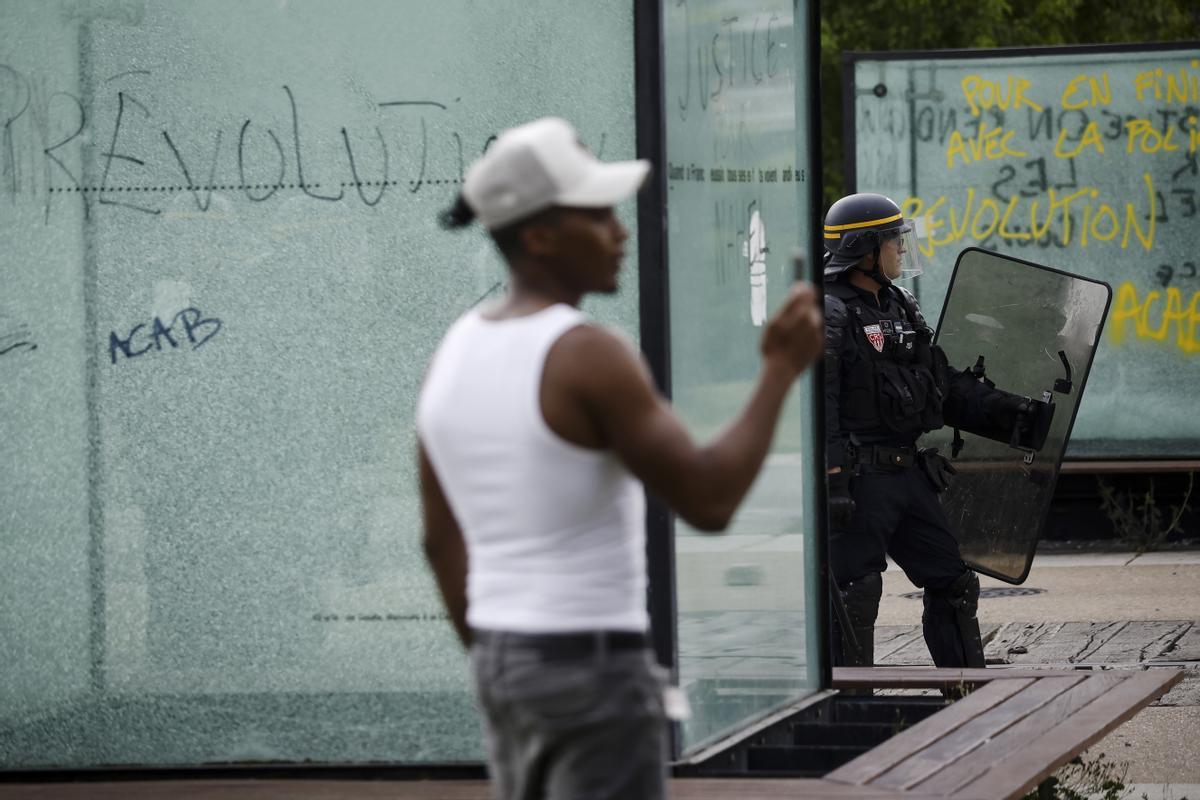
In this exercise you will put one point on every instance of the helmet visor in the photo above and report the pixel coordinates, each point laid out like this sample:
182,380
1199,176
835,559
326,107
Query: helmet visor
904,239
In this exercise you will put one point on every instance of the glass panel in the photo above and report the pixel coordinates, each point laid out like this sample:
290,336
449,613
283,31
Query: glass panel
222,279
737,205
1082,160
1019,318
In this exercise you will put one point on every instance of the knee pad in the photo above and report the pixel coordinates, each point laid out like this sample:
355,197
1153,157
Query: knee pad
862,598
950,625
959,599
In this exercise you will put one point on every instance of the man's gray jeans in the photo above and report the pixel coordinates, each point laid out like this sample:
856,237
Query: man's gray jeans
577,726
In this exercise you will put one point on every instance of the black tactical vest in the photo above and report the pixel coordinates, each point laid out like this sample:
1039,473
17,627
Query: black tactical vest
888,365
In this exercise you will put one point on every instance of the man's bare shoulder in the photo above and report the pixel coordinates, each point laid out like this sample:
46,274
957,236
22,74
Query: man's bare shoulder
591,354
595,337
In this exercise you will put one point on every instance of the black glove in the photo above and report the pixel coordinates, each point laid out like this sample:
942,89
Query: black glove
936,467
1017,421
1033,424
841,503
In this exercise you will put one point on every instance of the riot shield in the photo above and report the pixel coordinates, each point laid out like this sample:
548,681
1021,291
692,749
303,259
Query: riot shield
1032,331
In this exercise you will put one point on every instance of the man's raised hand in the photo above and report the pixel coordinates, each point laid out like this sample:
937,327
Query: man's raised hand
795,334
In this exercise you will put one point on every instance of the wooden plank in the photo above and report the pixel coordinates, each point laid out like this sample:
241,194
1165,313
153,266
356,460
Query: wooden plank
771,788
1009,742
1027,635
1050,643
1101,467
933,677
974,733
875,762
1138,642
908,693
1094,642
1187,648
914,653
1042,756
891,638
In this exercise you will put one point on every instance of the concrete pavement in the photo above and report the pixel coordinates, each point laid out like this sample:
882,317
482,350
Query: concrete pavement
1099,586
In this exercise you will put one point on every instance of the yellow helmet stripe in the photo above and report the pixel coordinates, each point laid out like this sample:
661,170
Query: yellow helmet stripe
852,225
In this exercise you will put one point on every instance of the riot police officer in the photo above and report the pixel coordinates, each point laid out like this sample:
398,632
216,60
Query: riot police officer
886,384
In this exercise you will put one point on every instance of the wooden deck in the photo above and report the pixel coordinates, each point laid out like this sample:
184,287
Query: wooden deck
1000,741
1016,728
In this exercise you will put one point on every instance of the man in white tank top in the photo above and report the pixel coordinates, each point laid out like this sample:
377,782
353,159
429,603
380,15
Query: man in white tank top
537,430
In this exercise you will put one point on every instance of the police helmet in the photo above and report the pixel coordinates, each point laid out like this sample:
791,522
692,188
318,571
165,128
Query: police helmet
859,224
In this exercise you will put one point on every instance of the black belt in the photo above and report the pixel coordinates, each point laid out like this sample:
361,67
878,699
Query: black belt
879,455
566,645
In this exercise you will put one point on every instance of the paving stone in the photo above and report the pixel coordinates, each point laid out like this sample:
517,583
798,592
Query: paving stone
1050,642
1186,648
1137,642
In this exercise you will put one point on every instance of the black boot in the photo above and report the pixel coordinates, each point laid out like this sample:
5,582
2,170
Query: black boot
861,598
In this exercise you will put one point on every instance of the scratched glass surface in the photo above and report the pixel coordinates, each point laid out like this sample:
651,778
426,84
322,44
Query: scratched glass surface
1085,162
1019,318
222,280
737,204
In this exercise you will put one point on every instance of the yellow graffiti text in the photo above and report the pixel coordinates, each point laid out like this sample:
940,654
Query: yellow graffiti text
1091,136
1100,94
982,94
1148,139
1156,316
1079,218
988,143
1179,86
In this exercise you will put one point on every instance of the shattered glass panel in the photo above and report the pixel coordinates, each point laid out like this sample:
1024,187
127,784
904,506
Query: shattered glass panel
221,278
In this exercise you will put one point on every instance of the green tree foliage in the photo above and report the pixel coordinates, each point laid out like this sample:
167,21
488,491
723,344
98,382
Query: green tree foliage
875,25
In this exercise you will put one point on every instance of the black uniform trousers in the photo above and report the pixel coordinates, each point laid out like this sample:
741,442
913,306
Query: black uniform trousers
897,513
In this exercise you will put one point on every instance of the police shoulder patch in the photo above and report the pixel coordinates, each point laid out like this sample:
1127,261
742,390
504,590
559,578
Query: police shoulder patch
874,336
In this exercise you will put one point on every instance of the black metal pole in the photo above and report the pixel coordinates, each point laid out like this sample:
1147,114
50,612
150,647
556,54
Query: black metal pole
653,303
819,617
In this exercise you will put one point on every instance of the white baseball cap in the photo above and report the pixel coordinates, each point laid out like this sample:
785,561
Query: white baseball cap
541,164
